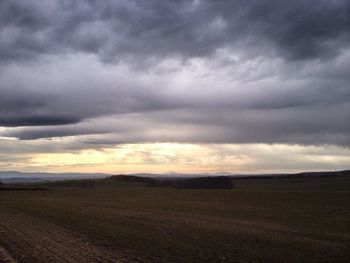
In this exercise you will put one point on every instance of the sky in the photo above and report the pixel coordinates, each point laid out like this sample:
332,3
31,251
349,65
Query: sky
126,86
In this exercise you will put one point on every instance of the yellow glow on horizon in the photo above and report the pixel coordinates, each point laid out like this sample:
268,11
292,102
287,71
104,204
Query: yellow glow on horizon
131,158
190,158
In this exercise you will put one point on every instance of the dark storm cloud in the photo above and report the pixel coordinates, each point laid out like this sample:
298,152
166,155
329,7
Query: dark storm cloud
115,29
176,71
113,105
32,134
39,120
19,107
66,95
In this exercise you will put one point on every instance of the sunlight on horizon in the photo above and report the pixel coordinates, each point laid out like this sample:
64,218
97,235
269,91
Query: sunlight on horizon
192,158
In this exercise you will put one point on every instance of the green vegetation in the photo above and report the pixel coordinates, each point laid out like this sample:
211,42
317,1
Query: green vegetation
270,220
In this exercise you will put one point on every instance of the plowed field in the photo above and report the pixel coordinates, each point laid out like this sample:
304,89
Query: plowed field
34,240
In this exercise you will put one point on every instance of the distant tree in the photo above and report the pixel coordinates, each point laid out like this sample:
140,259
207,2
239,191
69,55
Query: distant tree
220,182
131,179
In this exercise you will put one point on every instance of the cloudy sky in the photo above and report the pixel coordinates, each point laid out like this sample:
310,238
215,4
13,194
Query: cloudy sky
174,85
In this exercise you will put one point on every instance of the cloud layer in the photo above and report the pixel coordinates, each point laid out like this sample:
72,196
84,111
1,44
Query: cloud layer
111,72
118,29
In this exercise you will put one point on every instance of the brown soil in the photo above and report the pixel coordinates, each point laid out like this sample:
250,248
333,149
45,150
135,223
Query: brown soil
5,257
29,239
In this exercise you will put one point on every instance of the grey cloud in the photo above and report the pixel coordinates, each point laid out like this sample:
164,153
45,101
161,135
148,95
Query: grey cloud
111,104
311,125
36,120
33,134
65,95
117,30
304,29
20,107
217,71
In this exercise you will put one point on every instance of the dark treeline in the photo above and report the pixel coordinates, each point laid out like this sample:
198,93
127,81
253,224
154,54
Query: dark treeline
21,188
80,183
322,174
221,182
131,179
304,175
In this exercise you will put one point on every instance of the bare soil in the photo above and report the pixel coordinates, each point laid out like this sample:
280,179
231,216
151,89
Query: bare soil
5,257
29,239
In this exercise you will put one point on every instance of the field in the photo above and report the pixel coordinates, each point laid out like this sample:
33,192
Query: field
269,220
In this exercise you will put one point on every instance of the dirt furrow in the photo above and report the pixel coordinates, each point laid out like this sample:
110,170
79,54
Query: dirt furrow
31,240
5,257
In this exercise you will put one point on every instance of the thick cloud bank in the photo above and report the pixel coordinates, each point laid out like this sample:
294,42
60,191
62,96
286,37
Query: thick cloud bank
176,71
117,29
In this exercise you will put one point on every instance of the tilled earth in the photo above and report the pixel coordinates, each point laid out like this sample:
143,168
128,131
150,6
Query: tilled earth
5,257
29,239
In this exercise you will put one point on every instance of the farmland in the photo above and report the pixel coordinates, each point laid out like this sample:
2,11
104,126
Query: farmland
271,220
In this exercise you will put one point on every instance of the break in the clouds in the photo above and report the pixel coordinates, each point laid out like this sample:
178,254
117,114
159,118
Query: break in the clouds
198,72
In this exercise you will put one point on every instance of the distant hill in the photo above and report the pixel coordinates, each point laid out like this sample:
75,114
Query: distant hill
323,174
294,175
19,177
213,182
34,177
